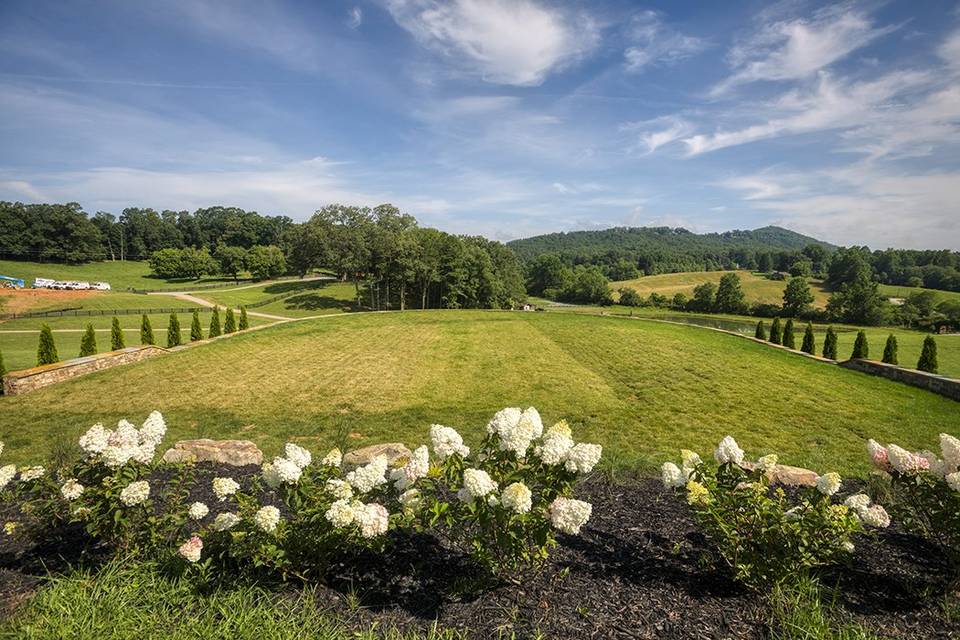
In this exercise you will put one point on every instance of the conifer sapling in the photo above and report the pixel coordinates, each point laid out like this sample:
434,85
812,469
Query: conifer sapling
230,323
928,356
173,331
789,340
861,349
890,350
244,321
215,323
809,341
88,343
760,333
117,341
830,344
47,349
146,330
776,333
196,331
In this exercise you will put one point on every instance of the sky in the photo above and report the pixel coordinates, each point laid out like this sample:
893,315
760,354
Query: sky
506,118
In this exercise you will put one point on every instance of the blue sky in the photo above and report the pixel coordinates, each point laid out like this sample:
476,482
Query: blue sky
505,118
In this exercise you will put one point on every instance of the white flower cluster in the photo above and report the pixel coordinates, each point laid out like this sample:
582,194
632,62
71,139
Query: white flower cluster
895,458
339,489
583,457
117,447
190,550
297,455
364,479
447,442
418,466
516,429
476,484
281,471
224,488
569,515
31,473
373,519
267,518
829,483
333,458
728,451
198,511
71,489
7,473
517,497
872,515
135,493
675,477
556,444
225,521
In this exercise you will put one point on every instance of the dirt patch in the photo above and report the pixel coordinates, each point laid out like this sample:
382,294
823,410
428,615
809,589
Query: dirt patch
640,569
26,300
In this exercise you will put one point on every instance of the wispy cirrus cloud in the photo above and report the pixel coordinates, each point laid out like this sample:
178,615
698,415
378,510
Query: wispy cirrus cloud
653,42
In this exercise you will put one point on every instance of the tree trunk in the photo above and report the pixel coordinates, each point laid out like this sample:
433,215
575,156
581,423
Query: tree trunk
403,295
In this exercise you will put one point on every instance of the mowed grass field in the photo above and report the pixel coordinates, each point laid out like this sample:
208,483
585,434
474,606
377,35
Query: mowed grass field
897,291
128,274
293,299
756,287
643,389
18,338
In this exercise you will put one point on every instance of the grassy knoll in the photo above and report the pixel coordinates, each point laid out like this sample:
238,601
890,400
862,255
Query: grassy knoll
290,298
120,275
897,291
643,389
756,287
20,349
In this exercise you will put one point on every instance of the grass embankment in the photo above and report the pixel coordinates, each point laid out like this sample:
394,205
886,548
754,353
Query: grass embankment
642,389
756,287
20,349
294,299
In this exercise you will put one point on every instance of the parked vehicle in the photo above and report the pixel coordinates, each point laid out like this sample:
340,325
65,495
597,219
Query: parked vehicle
6,282
43,283
100,286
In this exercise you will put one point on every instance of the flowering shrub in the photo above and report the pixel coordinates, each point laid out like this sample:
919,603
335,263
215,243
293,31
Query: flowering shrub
925,490
760,534
504,502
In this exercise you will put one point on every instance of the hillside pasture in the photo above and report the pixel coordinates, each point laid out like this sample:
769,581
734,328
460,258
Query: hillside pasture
129,274
290,298
756,287
643,389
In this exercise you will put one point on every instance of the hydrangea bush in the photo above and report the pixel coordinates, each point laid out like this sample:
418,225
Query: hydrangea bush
925,490
504,502
763,536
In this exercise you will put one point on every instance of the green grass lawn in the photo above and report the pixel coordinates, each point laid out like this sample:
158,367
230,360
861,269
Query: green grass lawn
643,389
20,349
120,275
756,287
290,298
897,291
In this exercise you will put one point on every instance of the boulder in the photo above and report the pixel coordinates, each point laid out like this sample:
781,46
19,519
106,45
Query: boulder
237,453
786,475
395,451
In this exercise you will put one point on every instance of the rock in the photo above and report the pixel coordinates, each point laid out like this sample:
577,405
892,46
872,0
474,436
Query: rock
233,452
786,475
359,457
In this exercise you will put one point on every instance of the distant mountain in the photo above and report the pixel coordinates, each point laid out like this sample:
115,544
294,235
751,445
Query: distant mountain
663,249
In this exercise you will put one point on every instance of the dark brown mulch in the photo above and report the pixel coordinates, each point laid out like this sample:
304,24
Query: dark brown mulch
640,569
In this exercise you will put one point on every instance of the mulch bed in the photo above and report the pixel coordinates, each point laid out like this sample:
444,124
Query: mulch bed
639,569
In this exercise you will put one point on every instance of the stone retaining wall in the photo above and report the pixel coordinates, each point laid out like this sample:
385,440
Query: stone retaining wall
948,387
17,382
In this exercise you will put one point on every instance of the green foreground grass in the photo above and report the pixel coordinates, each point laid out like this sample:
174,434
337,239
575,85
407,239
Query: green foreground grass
18,338
642,389
756,286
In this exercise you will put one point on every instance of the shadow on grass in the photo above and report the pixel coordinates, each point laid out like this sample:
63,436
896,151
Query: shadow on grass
316,302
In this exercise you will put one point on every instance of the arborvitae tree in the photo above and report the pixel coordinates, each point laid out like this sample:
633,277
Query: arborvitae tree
861,349
244,321
809,341
173,331
117,341
3,371
230,323
890,350
196,331
830,344
776,334
47,349
789,340
88,343
760,333
215,323
146,330
928,357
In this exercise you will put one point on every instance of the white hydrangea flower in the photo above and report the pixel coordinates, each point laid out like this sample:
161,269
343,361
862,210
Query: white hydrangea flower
7,473
848,546
71,489
135,493
190,550
339,489
267,518
493,500
477,483
410,498
903,460
556,445
225,521
517,497
144,453
878,454
371,475
690,460
225,487
568,515
1,448
341,513
829,483
673,477
768,461
857,502
31,473
504,421
950,449
446,442
516,429
374,520
94,441
933,464
334,458
583,457
297,455
728,451
418,466
875,516
953,480
153,429
125,435
287,471
198,511
270,475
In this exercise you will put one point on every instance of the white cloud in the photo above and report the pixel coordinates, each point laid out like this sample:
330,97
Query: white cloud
562,188
355,18
515,42
799,48
658,132
653,42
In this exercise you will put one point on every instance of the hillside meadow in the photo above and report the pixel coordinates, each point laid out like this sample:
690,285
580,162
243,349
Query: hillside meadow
756,287
128,274
641,388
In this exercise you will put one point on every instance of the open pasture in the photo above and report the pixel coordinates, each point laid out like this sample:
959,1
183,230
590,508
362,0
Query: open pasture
290,298
129,274
756,287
